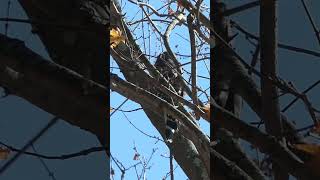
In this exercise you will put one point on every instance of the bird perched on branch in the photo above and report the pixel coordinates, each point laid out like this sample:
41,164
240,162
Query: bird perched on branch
170,69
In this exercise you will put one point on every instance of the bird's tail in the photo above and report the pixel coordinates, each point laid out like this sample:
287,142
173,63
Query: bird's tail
171,127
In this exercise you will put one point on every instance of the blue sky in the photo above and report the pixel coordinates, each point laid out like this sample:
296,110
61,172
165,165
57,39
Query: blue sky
123,135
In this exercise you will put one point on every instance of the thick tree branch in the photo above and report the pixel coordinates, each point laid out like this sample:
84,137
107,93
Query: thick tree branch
230,147
265,143
53,88
227,169
193,51
82,51
150,101
269,91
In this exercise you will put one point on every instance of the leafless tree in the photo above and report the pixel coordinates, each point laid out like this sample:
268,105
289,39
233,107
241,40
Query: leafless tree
232,84
154,88
73,87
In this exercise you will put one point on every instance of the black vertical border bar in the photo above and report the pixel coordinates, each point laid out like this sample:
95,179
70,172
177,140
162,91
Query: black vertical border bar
108,83
107,119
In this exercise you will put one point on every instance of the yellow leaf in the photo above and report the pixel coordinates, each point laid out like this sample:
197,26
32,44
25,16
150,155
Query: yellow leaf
4,153
311,156
116,37
311,149
206,109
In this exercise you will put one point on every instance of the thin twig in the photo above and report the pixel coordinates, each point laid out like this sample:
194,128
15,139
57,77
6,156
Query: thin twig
241,8
58,157
50,173
25,147
114,111
154,137
255,58
281,45
296,98
314,27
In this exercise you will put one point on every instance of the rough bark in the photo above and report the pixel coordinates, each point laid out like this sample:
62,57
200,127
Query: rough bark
269,91
74,34
265,143
83,46
223,94
53,88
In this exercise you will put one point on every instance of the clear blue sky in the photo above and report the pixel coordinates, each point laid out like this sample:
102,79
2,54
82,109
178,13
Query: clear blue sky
20,121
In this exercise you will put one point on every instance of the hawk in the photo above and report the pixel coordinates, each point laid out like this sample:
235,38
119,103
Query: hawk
170,69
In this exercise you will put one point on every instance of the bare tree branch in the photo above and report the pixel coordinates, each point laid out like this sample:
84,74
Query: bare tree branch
269,91
266,143
191,154
53,88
